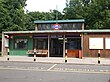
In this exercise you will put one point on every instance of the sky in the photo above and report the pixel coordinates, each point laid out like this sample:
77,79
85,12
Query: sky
45,5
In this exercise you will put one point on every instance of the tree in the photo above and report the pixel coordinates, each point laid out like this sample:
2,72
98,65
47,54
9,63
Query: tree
95,12
74,9
98,16
12,15
32,16
52,15
56,15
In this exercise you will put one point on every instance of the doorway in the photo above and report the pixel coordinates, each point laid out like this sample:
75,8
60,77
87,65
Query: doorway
56,47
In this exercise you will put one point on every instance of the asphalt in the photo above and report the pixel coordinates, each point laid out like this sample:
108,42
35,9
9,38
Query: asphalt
84,60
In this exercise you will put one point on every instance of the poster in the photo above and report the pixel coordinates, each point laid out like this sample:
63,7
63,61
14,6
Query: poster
6,42
95,43
107,43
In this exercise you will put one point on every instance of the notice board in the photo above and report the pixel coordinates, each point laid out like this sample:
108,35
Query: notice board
95,43
107,43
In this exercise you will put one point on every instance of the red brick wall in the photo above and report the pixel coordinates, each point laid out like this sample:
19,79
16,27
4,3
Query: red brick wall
105,53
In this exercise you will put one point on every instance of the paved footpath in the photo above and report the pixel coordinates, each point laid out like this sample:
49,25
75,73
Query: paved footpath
85,60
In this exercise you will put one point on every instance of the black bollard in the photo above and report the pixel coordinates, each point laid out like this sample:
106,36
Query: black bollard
34,59
8,56
34,54
99,57
66,57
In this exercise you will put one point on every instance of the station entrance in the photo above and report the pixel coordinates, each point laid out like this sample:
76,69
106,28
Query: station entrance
56,47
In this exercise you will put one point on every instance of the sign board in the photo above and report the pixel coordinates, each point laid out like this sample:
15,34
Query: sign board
6,42
56,26
95,43
107,43
56,36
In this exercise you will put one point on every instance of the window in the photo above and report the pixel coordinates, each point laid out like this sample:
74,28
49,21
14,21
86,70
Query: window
20,43
64,26
73,43
41,43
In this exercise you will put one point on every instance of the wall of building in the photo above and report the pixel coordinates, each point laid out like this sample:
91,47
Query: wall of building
105,53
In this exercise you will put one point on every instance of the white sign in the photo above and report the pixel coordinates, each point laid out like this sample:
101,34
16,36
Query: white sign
95,43
6,42
107,43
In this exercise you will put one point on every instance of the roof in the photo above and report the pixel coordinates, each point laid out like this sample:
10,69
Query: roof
58,21
57,31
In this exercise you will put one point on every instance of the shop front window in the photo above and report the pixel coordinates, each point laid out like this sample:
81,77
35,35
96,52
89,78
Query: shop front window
41,43
73,43
20,43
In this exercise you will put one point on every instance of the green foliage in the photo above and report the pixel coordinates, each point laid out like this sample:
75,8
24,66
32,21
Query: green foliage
95,12
98,17
73,10
13,18
32,16
45,15
12,15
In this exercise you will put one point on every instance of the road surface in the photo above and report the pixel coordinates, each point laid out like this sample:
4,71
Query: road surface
50,72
